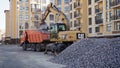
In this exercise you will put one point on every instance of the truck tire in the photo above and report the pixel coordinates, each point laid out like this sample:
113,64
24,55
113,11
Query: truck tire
33,47
38,48
24,46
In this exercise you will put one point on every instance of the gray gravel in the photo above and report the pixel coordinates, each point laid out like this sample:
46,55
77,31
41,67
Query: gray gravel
91,53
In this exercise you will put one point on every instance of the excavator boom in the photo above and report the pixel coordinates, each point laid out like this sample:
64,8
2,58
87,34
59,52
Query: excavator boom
53,9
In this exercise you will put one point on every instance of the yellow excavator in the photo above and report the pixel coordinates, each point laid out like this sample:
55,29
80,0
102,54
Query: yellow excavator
60,32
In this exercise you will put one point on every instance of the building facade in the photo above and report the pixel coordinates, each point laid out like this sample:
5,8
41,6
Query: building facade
76,13
7,20
27,14
103,18
81,16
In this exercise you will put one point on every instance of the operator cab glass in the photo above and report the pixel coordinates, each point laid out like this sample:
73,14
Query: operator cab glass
61,27
56,28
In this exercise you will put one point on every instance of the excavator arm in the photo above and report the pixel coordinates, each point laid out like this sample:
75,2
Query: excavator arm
53,9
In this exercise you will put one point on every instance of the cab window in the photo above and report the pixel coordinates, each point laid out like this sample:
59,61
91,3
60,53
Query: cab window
61,28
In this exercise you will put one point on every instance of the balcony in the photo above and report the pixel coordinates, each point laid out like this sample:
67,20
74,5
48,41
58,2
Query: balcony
99,10
35,10
98,1
115,17
77,27
35,19
78,16
115,4
116,32
78,6
99,21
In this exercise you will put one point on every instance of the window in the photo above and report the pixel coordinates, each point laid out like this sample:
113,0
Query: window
97,29
109,27
36,24
70,6
89,2
67,15
75,14
90,11
51,1
79,22
70,15
26,25
66,9
107,17
118,13
59,8
36,16
75,23
20,33
21,8
111,15
26,16
117,24
43,8
20,16
61,28
44,1
71,24
51,17
99,18
90,30
38,6
26,8
96,9
96,0
21,26
90,21
66,1
59,2
107,2
75,5
26,0
32,6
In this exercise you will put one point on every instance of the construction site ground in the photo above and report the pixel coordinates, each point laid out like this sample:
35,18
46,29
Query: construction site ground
12,56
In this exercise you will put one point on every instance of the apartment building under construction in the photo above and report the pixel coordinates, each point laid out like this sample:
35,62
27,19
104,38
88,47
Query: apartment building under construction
103,18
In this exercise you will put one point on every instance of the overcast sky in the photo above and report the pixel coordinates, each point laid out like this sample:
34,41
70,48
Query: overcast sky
4,5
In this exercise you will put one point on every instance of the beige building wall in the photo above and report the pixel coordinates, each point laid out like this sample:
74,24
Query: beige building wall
81,16
13,19
7,18
73,14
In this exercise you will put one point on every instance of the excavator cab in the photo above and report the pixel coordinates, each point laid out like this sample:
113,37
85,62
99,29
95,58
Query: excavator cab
56,28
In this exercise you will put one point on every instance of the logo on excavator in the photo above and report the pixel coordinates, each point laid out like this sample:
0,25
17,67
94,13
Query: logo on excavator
80,35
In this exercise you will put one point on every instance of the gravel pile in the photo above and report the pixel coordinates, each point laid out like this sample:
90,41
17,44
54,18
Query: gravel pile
91,53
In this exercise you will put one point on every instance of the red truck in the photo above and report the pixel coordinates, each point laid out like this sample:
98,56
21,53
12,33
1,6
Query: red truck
34,39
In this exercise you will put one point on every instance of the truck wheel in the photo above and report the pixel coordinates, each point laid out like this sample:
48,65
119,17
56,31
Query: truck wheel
24,47
38,48
33,47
